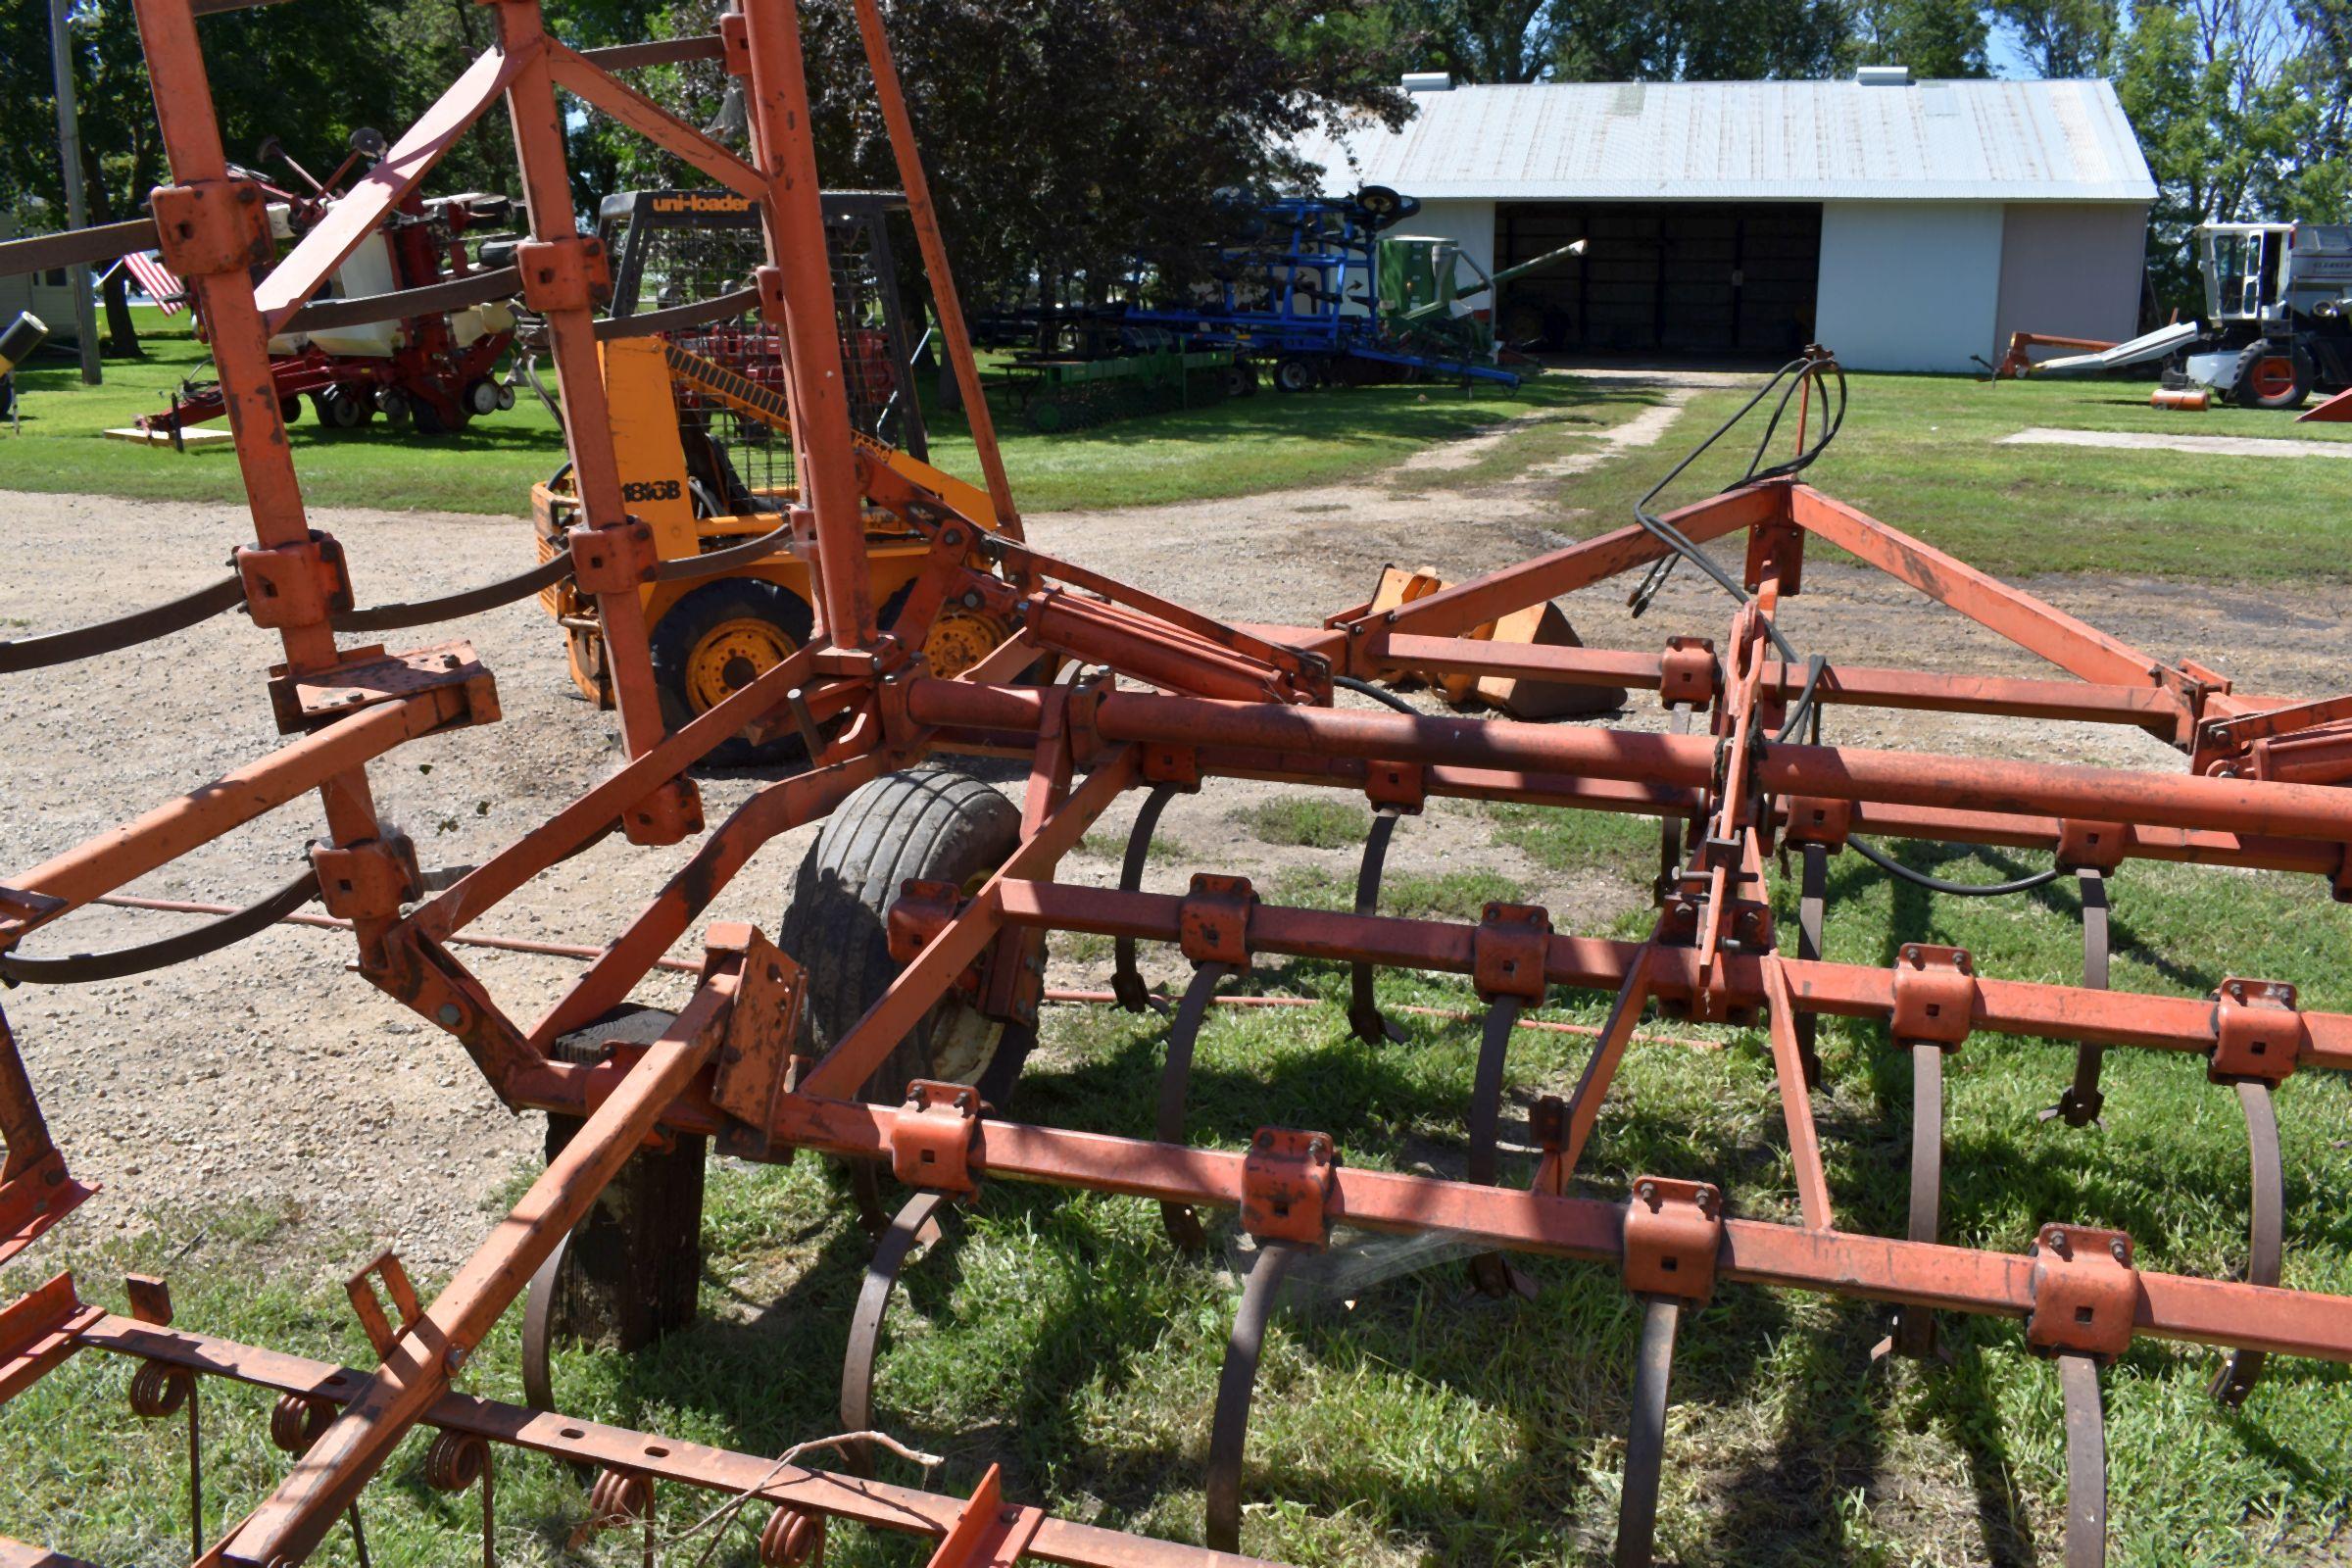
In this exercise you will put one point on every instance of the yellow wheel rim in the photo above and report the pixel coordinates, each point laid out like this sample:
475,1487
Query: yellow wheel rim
960,639
730,657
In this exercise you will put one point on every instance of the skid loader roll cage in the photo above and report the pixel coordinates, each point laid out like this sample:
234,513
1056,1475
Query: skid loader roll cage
1171,696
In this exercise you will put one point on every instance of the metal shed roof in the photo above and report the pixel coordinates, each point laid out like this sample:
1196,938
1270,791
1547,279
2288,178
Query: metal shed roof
1752,140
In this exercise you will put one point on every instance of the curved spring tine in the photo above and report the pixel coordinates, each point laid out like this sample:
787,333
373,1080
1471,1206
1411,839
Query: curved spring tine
1812,902
2085,1463
907,1231
1915,1325
1229,1434
1670,828
2238,1375
1645,1443
538,1338
195,1469
2080,1104
1126,982
865,1191
539,1330
1363,1012
1175,1080
1492,1272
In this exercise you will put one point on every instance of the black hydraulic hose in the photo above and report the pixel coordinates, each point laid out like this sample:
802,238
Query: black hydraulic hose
1807,706
1966,890
1364,688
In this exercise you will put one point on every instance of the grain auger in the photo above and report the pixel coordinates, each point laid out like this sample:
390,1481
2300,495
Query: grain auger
884,1027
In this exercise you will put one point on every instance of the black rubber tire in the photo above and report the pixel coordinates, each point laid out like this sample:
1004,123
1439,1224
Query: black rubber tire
1239,380
1294,374
930,825
432,421
341,409
2241,375
688,621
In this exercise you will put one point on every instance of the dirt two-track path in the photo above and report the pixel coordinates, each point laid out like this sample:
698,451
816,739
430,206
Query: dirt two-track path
267,1074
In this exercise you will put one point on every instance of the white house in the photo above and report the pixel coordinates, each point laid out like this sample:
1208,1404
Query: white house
1909,225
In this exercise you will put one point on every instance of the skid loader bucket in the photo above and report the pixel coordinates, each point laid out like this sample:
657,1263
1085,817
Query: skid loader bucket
1540,625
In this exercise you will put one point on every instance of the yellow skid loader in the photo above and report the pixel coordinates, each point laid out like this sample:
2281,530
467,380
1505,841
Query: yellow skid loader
711,636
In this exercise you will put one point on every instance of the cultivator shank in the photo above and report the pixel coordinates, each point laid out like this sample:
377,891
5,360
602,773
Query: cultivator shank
1164,700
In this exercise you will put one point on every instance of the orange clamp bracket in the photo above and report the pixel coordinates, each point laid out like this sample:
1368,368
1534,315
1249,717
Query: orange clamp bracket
1508,950
1397,784
1212,923
295,585
1673,1230
1286,1187
570,272
2091,846
2257,1033
1934,995
932,1139
612,560
2086,1293
1813,820
211,226
1688,673
369,880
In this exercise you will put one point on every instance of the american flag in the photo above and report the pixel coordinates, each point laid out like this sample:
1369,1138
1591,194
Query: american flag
156,280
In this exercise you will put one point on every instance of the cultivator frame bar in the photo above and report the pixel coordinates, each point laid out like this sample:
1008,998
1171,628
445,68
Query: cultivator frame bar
1169,699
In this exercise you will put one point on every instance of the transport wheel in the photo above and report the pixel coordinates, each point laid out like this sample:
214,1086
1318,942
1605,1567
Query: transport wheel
432,421
715,642
395,407
930,825
289,409
1240,379
341,409
480,396
2272,375
1294,374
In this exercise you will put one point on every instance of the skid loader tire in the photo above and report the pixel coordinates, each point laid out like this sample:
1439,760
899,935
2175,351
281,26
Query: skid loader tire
929,825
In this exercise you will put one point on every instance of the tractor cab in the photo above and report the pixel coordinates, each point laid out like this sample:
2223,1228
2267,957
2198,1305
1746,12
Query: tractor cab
2277,311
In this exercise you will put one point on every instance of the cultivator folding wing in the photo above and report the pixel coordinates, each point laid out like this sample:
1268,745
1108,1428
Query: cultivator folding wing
1174,698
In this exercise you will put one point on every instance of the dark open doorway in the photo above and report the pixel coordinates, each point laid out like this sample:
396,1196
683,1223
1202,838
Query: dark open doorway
1728,278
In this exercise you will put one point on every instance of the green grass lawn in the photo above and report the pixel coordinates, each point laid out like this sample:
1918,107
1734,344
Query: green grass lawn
1400,1421
1922,453
1267,442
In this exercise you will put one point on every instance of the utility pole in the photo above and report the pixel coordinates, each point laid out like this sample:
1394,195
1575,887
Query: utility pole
68,145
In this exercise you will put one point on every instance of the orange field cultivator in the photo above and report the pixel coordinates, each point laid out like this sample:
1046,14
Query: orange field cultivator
798,1041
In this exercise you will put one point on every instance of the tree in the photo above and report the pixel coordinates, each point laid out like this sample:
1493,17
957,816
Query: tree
1933,37
1695,40
1483,40
1066,138
2061,38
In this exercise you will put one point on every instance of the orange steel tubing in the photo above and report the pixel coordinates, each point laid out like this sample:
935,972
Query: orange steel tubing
133,850
289,1524
241,344
1872,1269
2001,1006
916,185
2070,644
2091,794
1796,1102
538,124
820,408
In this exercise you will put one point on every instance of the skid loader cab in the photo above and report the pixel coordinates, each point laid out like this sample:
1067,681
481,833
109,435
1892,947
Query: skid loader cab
702,433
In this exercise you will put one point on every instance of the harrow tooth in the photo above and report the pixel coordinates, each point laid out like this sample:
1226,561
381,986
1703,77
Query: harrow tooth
2085,1462
1237,1384
1371,1025
2237,1376
2081,1102
1914,1333
1126,981
1493,1273
1182,1224
917,1224
1812,901
1646,1442
539,1330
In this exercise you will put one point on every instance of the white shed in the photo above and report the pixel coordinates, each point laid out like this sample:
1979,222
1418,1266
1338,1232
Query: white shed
1909,225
